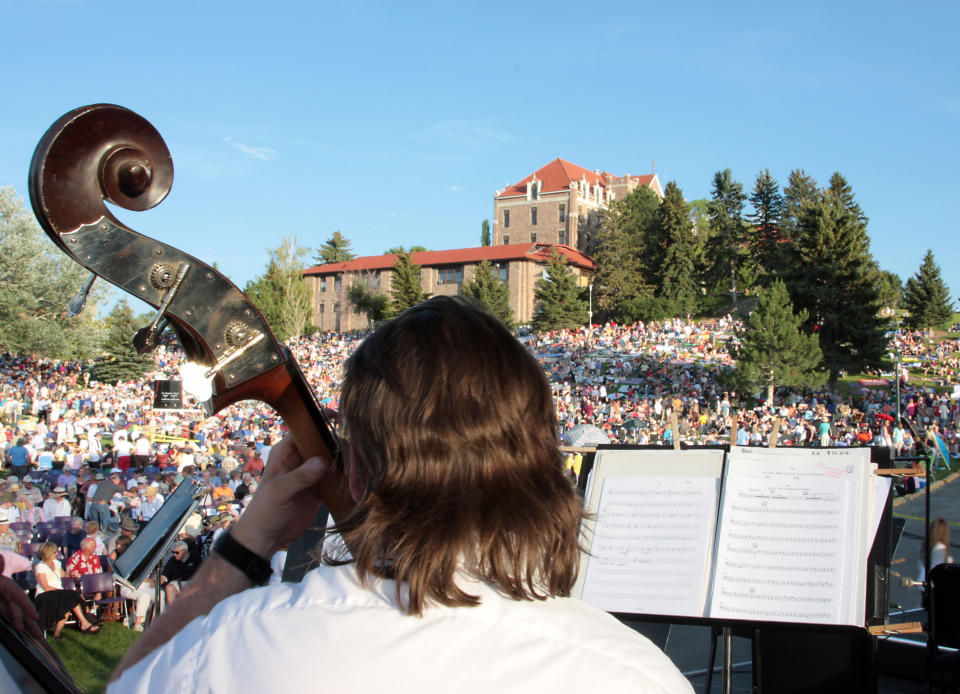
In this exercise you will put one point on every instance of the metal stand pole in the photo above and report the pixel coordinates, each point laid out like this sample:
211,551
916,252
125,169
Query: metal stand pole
726,685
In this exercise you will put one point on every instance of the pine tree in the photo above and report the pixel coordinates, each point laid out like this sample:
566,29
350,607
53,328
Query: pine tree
727,248
490,291
405,287
774,350
336,249
767,211
926,298
485,233
628,253
558,297
801,190
833,276
120,362
678,278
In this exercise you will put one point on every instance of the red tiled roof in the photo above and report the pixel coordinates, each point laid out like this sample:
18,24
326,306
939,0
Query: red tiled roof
557,175
536,252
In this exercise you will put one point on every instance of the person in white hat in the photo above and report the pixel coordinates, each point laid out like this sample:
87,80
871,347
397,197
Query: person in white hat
57,504
8,538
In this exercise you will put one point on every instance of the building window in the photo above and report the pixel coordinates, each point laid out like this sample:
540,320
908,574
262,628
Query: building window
533,237
323,284
506,219
533,216
534,189
321,308
562,237
504,272
336,307
506,239
336,284
450,275
563,212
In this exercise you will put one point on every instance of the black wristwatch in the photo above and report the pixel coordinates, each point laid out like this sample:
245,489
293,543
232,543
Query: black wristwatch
253,566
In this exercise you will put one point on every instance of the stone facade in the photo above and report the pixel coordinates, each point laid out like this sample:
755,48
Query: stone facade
442,273
557,202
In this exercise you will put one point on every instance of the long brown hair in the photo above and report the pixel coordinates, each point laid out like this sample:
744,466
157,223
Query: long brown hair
450,426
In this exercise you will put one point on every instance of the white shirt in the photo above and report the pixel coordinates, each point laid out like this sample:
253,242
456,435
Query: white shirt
328,633
56,506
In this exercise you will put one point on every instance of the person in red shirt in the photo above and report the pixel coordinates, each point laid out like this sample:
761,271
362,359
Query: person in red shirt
84,561
252,462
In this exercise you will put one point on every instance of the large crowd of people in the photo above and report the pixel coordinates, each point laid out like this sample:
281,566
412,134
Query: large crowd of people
87,463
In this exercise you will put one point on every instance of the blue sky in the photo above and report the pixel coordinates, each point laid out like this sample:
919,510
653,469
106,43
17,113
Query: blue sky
396,122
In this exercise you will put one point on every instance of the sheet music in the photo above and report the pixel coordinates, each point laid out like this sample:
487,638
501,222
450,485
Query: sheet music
791,545
651,544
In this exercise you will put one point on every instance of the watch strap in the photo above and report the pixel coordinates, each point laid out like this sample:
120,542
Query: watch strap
253,566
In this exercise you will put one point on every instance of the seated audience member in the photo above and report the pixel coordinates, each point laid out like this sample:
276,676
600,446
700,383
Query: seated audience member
8,503
463,533
14,563
32,513
57,504
151,502
8,538
178,570
84,561
222,491
252,462
54,603
74,537
143,596
93,532
29,491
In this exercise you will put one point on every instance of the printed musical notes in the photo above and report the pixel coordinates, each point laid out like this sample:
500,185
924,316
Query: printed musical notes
791,537
650,546
787,539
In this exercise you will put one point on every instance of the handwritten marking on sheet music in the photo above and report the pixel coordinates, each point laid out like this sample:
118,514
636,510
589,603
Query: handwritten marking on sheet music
781,541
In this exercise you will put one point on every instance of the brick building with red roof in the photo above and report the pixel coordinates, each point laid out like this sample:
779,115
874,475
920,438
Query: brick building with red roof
558,201
520,265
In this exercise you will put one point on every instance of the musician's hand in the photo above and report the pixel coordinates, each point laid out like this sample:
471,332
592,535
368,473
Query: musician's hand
285,502
15,603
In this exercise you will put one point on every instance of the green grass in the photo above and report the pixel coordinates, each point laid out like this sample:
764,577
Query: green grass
91,659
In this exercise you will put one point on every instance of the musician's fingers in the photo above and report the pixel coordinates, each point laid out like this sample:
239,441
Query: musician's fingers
283,458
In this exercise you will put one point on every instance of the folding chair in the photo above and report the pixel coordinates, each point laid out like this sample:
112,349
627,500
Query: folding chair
29,549
91,584
21,527
43,530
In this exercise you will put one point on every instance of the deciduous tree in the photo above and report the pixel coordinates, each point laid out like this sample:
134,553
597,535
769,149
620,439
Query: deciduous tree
37,281
281,293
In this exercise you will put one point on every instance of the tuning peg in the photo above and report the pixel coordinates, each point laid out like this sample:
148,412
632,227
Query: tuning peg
146,339
80,298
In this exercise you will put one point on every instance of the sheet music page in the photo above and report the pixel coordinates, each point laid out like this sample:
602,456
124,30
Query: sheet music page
792,535
650,548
